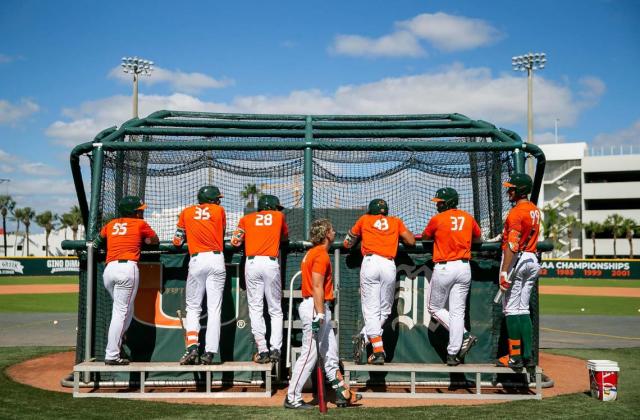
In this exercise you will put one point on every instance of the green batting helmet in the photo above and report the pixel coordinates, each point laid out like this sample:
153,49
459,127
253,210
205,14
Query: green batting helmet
378,206
520,182
209,194
129,205
269,202
448,197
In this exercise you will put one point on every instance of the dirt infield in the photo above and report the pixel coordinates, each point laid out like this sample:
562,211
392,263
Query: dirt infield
37,289
570,376
591,291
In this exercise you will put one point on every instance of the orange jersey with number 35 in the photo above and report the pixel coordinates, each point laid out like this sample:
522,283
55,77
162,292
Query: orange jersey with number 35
380,234
522,227
204,225
263,232
452,232
124,237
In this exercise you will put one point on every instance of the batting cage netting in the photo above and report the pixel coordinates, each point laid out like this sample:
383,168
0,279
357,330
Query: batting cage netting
319,167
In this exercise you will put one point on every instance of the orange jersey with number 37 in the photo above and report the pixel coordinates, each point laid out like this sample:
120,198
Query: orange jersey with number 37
124,237
263,232
204,225
380,234
452,232
522,227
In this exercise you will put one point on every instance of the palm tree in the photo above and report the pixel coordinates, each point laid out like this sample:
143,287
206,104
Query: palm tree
571,222
551,224
591,229
17,216
628,227
250,192
6,206
614,224
73,220
48,221
27,216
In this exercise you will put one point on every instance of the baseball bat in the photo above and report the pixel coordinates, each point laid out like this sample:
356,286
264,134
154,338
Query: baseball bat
322,403
498,296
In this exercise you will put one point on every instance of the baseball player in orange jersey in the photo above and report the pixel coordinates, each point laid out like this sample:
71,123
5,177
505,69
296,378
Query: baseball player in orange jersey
452,231
519,270
380,234
315,314
203,226
262,233
124,237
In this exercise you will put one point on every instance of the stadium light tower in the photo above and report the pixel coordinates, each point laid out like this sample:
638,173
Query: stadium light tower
136,66
529,62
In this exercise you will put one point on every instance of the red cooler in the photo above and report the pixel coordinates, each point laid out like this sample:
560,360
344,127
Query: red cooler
603,377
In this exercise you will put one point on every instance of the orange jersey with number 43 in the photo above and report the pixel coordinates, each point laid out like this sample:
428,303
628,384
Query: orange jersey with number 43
124,237
204,225
452,232
522,227
380,234
263,232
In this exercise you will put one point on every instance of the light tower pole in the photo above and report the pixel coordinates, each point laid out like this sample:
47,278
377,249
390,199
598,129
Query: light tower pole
136,66
529,62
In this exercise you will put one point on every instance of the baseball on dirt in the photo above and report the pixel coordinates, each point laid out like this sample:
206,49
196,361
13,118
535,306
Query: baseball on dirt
55,322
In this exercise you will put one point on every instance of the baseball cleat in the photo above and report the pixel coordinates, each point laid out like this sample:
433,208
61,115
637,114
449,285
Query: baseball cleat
453,360
120,361
468,341
376,358
529,363
190,356
262,357
274,355
359,344
510,362
341,401
208,359
297,404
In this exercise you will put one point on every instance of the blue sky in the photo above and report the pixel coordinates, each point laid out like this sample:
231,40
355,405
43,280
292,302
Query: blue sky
60,82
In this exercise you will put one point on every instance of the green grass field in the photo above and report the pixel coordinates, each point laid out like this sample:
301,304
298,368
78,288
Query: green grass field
592,305
589,282
54,302
21,401
38,280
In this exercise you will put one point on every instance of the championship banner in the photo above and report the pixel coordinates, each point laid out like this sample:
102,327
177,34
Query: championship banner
620,269
39,266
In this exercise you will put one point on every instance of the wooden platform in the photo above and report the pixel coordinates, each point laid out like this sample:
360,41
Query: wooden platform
143,367
412,368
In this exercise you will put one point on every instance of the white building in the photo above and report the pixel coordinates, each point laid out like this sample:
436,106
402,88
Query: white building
17,244
591,188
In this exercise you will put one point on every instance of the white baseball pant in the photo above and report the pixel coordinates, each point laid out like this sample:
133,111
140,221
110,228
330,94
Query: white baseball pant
262,275
121,280
450,282
207,272
516,298
377,292
308,355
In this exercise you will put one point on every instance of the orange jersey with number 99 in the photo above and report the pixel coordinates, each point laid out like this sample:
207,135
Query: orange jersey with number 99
522,227
452,232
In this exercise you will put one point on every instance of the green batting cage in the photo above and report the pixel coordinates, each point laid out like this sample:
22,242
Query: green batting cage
327,166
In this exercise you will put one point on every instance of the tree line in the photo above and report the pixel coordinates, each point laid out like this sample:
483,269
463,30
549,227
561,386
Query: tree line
47,220
556,226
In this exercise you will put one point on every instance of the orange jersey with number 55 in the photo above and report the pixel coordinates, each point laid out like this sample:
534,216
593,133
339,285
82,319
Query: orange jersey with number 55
204,225
380,234
452,232
522,227
124,237
263,232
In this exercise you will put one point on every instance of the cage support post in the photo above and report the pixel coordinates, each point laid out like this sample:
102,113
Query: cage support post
308,177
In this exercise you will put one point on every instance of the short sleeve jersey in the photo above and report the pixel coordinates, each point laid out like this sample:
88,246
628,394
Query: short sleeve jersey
124,237
452,232
204,225
524,219
263,232
379,233
316,260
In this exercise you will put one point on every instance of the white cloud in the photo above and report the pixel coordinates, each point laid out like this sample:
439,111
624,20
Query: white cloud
629,136
592,89
397,44
178,80
12,113
443,31
548,137
451,33
39,168
6,59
